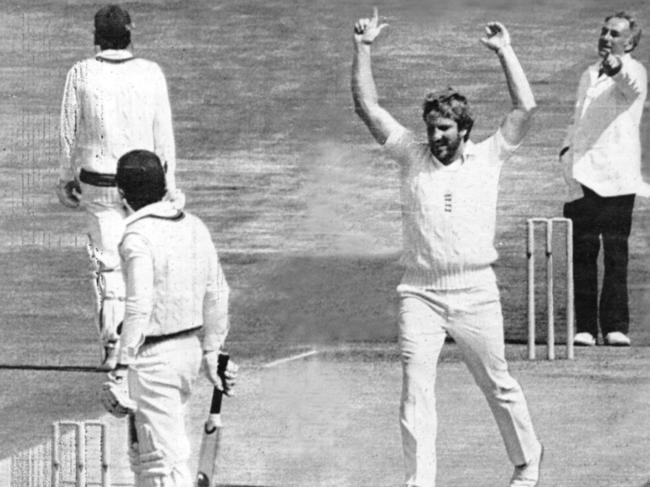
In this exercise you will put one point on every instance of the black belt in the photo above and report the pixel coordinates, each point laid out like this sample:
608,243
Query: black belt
97,179
153,339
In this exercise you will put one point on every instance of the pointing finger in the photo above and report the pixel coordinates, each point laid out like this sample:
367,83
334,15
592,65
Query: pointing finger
375,14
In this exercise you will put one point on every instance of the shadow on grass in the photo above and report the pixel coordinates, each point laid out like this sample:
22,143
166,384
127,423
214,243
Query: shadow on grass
306,299
277,301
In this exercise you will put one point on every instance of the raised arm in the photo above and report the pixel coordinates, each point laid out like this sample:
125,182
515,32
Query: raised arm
518,121
630,78
364,92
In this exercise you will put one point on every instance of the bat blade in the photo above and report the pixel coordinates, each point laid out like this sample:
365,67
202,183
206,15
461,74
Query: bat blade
211,440
209,454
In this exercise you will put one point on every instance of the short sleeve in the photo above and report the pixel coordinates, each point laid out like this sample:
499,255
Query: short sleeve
400,145
500,150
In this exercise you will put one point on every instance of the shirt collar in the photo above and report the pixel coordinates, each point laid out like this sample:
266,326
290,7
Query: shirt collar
115,54
162,209
469,150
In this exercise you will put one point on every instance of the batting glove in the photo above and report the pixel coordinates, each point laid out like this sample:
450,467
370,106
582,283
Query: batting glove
115,394
69,193
224,382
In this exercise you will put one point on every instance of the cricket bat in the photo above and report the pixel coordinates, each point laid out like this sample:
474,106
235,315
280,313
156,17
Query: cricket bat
206,476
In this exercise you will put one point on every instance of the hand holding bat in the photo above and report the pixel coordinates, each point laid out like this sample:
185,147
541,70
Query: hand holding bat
223,379
223,382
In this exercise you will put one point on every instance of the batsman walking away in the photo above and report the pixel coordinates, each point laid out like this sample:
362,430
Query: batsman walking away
449,196
113,102
176,319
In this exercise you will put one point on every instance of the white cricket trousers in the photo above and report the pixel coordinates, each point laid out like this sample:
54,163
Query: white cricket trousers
161,382
105,225
473,318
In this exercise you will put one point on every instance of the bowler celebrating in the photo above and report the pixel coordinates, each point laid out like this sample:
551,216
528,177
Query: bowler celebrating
449,198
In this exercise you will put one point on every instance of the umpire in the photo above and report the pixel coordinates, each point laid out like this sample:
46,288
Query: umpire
601,159
175,292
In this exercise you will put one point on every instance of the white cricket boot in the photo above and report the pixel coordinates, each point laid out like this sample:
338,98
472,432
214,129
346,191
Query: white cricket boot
617,339
528,475
584,339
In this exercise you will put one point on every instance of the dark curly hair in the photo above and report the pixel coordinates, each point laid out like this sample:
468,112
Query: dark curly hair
112,28
140,178
449,103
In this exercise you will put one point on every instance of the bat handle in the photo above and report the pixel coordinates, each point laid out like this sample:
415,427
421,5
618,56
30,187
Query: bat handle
215,405
217,395
133,430
222,363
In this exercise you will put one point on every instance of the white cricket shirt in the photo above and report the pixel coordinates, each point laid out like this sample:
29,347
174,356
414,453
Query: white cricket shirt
448,212
114,103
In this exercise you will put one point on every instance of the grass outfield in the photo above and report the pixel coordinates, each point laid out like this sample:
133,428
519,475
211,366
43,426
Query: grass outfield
301,203
331,420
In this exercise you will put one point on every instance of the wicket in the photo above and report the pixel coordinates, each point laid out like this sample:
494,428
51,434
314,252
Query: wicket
530,253
79,446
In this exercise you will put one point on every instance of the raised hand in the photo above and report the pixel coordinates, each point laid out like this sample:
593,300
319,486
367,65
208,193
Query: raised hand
497,36
367,30
611,64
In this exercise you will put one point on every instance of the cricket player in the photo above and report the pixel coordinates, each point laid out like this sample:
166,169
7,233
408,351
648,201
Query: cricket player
601,158
176,317
113,102
449,198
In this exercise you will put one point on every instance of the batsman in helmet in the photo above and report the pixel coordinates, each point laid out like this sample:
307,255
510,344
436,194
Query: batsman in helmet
113,102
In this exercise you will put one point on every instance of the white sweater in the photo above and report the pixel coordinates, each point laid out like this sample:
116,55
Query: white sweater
448,212
173,278
114,103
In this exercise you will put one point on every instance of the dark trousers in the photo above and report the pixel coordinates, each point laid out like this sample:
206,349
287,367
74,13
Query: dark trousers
610,217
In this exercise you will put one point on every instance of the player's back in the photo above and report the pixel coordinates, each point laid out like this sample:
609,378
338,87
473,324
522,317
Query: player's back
117,104
184,264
